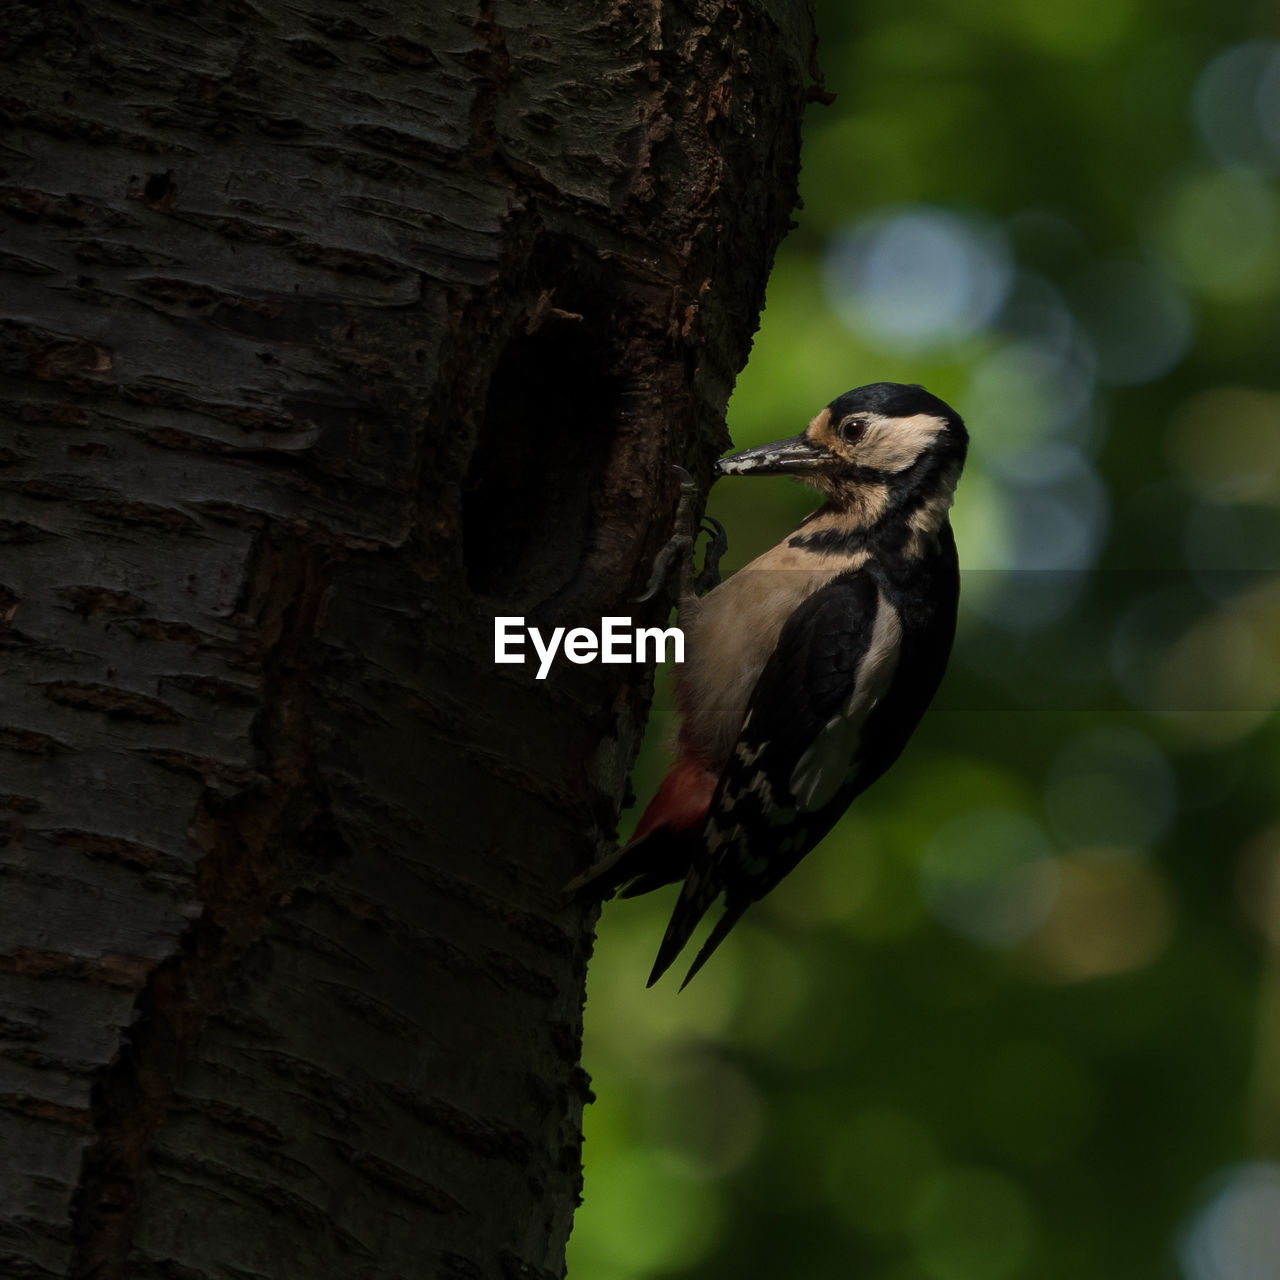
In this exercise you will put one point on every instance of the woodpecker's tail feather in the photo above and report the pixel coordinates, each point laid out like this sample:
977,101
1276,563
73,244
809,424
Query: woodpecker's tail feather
655,878
726,922
660,857
691,906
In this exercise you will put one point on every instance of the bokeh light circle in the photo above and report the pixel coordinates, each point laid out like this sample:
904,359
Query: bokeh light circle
1110,786
1236,1236
1218,229
917,277
971,1222
1138,318
1232,101
990,876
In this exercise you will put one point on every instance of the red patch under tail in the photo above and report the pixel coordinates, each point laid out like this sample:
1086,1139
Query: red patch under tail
681,801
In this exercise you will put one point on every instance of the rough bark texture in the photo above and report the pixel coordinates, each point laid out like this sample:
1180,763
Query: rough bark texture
327,333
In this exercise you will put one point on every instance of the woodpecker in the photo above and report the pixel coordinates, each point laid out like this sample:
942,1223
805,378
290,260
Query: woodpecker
807,671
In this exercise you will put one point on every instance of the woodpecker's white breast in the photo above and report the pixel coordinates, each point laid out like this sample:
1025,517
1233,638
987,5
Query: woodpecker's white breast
731,632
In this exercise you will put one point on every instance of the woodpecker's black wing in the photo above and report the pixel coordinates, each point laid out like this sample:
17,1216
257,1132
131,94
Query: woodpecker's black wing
799,758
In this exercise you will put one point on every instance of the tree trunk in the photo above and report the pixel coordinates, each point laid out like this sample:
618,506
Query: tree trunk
328,334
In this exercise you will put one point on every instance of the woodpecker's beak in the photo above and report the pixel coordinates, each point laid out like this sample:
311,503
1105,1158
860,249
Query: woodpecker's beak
783,457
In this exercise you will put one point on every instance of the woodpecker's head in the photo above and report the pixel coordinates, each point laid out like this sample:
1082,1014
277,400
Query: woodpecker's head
887,435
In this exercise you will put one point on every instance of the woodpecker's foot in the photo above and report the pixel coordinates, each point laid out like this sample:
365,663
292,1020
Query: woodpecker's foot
681,544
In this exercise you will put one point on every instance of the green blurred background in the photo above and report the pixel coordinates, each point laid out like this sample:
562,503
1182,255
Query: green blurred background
1019,1015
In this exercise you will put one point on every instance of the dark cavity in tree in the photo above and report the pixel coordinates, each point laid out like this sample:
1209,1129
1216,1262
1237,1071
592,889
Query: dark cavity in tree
543,443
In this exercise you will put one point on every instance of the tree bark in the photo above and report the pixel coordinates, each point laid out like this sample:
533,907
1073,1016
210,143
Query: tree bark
327,334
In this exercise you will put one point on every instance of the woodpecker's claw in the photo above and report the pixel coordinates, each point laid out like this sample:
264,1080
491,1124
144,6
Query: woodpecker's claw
681,544
709,577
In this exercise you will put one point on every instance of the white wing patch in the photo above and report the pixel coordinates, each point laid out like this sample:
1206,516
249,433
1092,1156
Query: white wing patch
829,762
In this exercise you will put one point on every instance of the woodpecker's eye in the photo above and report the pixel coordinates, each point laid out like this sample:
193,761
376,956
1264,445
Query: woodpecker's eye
851,430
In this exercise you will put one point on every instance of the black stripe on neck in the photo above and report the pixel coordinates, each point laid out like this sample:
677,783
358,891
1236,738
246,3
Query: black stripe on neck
844,541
